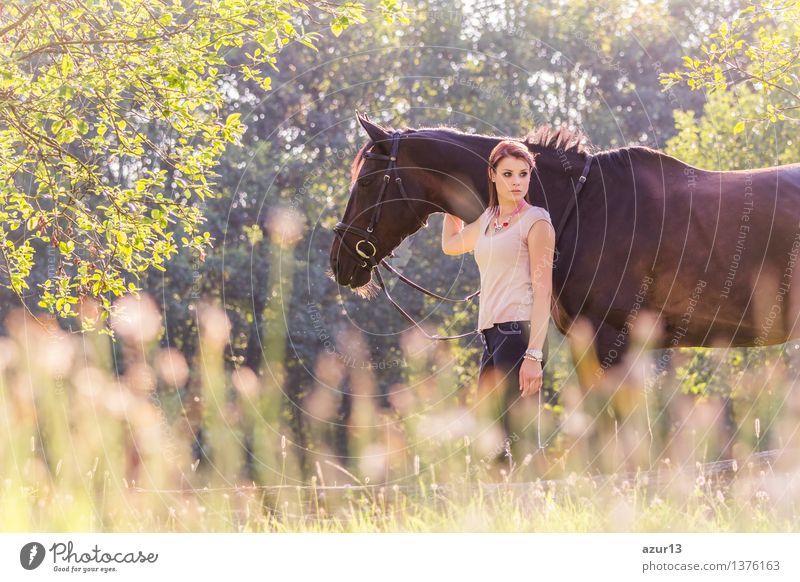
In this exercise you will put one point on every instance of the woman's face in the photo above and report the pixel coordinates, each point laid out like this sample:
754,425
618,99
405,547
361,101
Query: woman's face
511,179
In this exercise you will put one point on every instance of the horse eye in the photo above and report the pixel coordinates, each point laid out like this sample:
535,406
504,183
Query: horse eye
365,181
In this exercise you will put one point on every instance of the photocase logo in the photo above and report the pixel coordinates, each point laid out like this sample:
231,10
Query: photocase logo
31,555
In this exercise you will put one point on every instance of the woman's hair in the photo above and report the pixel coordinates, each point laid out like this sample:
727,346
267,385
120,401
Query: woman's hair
504,149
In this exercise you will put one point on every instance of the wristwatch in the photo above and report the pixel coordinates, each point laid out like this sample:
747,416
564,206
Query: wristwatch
534,354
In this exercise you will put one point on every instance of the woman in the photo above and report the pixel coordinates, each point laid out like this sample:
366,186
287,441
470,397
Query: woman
513,242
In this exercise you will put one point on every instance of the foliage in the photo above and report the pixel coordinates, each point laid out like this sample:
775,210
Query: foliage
474,66
710,140
134,89
252,400
481,73
759,47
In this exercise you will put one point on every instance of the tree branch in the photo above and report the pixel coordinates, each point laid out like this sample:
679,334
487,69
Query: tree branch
19,21
52,46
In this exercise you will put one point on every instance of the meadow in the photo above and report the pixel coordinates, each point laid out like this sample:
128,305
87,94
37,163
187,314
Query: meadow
167,445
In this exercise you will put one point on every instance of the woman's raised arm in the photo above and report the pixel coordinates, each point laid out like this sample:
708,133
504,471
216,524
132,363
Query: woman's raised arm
458,239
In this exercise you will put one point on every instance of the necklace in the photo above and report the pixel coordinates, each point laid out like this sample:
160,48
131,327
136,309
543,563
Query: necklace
498,226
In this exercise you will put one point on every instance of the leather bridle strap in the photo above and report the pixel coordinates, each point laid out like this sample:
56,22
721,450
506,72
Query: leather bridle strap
365,249
573,201
392,159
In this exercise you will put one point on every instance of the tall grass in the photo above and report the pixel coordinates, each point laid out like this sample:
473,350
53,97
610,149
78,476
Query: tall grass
152,442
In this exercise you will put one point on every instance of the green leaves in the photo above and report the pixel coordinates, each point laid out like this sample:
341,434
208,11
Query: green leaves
109,99
338,26
233,128
730,135
758,49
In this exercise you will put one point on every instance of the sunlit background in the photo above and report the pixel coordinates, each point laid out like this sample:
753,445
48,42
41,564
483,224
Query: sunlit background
245,391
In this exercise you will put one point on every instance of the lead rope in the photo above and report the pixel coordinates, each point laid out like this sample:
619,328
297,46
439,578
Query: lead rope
542,445
411,320
539,423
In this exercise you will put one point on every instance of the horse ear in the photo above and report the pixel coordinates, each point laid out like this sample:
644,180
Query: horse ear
375,131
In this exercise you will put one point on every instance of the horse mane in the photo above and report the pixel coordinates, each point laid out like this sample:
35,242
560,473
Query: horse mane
563,138
568,139
573,140
355,168
358,160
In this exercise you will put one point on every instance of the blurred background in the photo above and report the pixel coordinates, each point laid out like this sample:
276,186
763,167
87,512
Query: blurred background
245,390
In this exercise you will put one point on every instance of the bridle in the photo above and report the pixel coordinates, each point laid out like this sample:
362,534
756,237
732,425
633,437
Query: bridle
365,250
572,201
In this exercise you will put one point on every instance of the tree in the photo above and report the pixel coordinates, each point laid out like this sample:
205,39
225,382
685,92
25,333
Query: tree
710,140
134,90
760,48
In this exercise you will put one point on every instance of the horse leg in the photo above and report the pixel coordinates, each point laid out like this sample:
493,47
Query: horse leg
341,444
585,416
616,435
728,429
661,392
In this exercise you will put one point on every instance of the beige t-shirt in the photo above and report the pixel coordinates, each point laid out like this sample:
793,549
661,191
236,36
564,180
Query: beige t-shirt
504,265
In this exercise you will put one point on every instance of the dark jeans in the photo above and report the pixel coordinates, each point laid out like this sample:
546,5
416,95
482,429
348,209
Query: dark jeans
504,346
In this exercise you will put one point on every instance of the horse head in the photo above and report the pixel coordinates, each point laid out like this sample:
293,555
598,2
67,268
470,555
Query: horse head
391,197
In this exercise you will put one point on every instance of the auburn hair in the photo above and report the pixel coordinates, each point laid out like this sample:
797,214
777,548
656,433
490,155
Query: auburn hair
504,149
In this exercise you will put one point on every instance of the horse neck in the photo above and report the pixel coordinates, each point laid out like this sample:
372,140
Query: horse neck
633,168
558,171
464,188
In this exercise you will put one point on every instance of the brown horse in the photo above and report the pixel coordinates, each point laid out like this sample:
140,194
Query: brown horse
711,253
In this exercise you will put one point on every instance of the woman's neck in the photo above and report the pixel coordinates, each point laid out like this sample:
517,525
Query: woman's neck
507,208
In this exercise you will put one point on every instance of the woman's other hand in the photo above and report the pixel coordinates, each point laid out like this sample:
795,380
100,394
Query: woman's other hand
530,377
